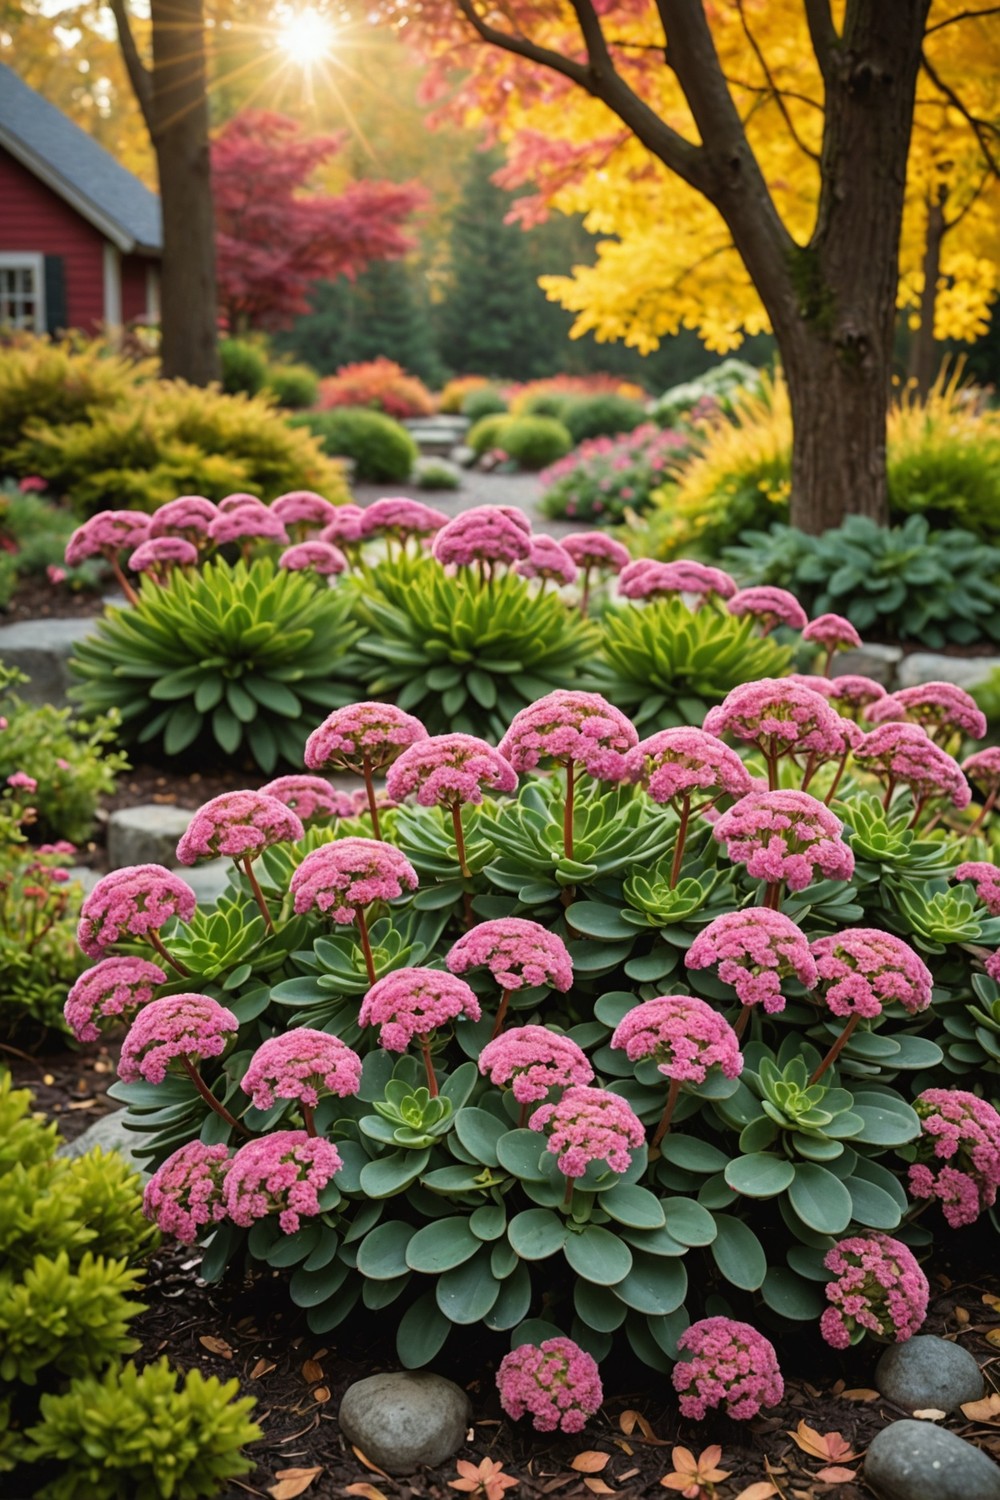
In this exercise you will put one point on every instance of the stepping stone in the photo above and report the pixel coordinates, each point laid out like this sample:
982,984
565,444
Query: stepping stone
911,1460
878,662
929,666
405,1418
926,1371
146,835
41,649
110,1134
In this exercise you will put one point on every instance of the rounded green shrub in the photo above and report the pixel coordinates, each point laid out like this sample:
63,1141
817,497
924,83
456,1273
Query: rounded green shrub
545,404
533,442
294,387
381,450
485,434
603,415
244,367
483,402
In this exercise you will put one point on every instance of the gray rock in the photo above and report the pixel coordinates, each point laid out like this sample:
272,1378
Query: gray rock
463,455
145,835
911,1460
41,649
110,1134
879,662
405,1418
208,881
928,666
928,1372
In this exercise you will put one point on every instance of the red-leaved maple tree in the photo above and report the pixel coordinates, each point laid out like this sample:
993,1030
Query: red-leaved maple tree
275,238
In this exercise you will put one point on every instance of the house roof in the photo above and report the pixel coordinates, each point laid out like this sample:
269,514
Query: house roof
77,168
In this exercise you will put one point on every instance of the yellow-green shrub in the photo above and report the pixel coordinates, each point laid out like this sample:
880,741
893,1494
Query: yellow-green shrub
66,381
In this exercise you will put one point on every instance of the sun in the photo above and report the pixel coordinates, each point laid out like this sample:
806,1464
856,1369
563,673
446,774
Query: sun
306,37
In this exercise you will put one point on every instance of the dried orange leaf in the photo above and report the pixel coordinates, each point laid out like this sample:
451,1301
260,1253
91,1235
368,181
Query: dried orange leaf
292,1482
590,1461
262,1367
961,1316
825,1445
762,1490
363,1458
321,1394
993,1337
860,1393
987,1410
930,1414
836,1475
312,1370
215,1346
365,1490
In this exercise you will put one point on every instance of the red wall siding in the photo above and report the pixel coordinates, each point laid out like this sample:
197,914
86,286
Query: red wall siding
32,217
134,287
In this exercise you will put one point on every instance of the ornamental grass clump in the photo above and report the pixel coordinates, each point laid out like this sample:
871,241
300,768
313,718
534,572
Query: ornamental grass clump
556,1382
877,1287
726,1364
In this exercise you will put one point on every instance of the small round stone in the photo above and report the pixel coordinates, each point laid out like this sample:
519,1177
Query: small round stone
405,1418
912,1460
928,1372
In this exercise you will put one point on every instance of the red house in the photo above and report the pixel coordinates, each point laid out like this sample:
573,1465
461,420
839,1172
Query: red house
80,237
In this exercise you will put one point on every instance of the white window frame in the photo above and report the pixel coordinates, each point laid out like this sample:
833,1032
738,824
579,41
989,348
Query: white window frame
34,261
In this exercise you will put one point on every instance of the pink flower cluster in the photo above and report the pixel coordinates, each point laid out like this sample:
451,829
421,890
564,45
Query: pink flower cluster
376,732
178,1026
937,706
684,1036
729,1364
785,836
413,1002
855,691
239,824
339,878
832,632
590,1124
962,1131
556,1381
448,769
303,508
516,951
321,557
755,950
311,798
301,1064
185,1193
246,522
346,527
986,879
107,532
486,533
648,579
983,770
780,717
399,516
157,553
131,903
284,1172
582,729
533,1060
905,753
595,549
861,970
676,762
189,516
769,605
22,782
548,559
111,992
878,1288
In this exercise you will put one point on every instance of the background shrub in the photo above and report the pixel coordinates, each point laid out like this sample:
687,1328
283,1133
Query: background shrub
605,477
62,382
381,449
483,401
379,383
485,434
454,393
244,367
294,387
436,474
33,537
717,390
533,442
944,457
601,416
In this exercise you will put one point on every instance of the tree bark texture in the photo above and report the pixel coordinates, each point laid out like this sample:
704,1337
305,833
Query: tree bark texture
924,352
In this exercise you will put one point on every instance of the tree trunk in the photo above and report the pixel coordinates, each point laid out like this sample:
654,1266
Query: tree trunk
924,355
180,137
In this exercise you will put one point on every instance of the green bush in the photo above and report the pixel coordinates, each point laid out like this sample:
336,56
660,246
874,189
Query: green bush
63,1318
485,434
36,532
719,387
149,1435
380,448
25,1138
294,387
242,659
244,367
436,474
534,442
604,415
545,403
484,401
65,382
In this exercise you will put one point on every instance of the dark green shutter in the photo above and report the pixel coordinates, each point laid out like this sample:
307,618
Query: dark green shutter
55,294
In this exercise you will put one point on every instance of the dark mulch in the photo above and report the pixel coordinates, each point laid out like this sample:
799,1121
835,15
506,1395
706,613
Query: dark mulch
38,599
70,1087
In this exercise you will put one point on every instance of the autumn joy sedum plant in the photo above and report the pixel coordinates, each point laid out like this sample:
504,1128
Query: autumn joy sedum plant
599,1036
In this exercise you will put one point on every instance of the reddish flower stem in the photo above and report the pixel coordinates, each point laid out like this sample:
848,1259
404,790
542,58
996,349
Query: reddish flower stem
673,1094
836,780
123,583
585,593
501,1015
568,810
258,893
568,1195
366,947
308,1119
157,942
675,868
456,823
740,1024
366,771
432,1083
984,811
836,1049
210,1099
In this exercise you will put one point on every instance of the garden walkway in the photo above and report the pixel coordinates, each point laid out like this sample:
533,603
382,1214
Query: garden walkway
521,490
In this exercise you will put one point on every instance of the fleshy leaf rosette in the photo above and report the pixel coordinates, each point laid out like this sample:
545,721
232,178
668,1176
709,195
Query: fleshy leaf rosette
942,708
319,557
770,606
589,1124
311,798
958,1154
445,770
549,561
301,1064
485,535
985,878
573,729
680,763
110,993
785,837
282,1173
648,579
238,824
556,1382
533,1060
904,754
862,969
342,878
134,902
724,1363
877,1287
185,1028
185,1193
755,950
400,517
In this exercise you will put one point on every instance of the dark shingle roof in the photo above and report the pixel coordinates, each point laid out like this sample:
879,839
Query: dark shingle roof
74,166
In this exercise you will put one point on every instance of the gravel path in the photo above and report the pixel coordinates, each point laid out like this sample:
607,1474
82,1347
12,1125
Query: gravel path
522,490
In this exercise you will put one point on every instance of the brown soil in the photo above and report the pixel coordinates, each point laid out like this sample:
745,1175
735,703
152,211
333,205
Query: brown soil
38,599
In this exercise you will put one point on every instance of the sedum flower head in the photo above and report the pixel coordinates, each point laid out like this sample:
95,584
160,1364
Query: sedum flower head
861,970
413,1002
157,552
346,527
399,516
109,993
518,953
533,1060
986,879
239,824
682,1035
178,1026
303,508
556,1383
905,753
983,770
934,705
583,729
958,1154
448,769
780,717
319,557
301,1064
854,691
648,579
548,559
376,732
785,836
282,1173
755,950
727,1364
676,762
877,1288
595,549
590,1124
189,516
338,878
185,1193
310,797
240,500
245,523
130,903
833,632
483,534
108,531
770,605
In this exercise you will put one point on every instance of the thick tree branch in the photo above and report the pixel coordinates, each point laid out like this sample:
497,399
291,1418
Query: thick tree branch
140,76
773,89
822,33
981,129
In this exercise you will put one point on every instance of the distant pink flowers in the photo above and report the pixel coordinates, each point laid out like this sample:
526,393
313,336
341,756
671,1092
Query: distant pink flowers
311,798
983,770
755,950
877,1288
986,880
449,769
556,1382
109,993
726,1364
648,579
313,556
785,836
301,1064
22,782
678,762
185,1193
484,534
770,606
415,1002
282,1173
401,517
780,717
682,1035
158,553
247,522
548,559
533,1060
942,708
179,1026
580,729
345,527
131,903
338,878
110,531
905,753
958,1154
239,824
590,1124
189,516
516,951
595,549
303,508
376,732
861,970
832,632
